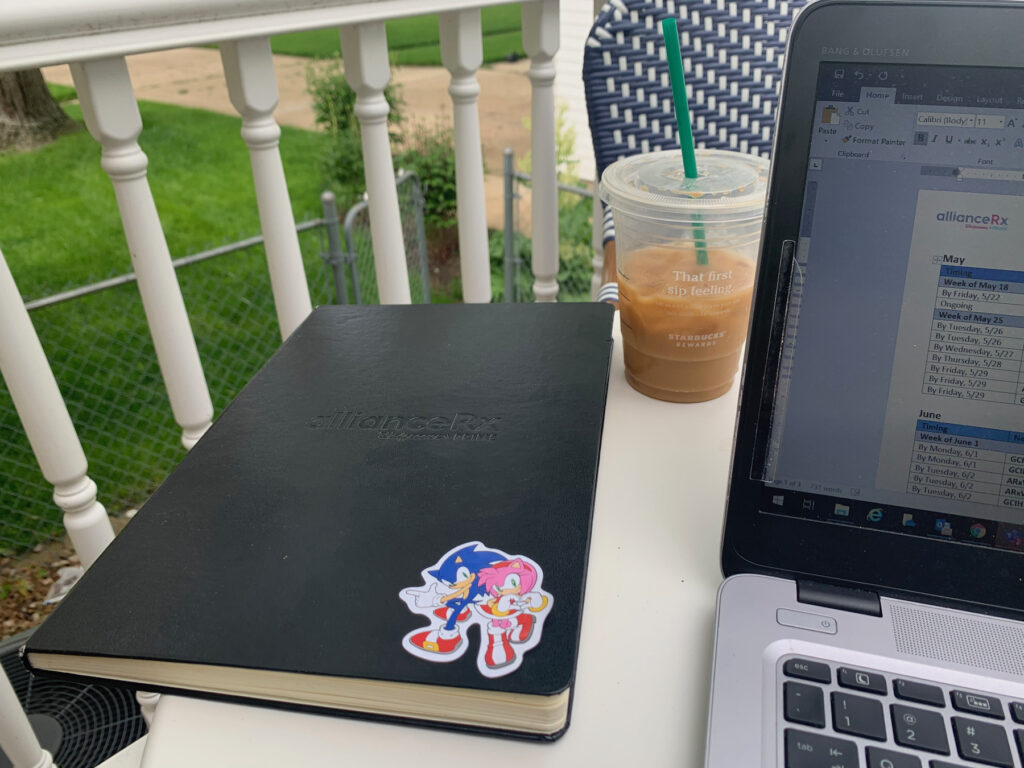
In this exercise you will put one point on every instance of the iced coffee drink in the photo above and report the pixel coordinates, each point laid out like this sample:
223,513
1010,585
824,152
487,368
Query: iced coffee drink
684,323
686,255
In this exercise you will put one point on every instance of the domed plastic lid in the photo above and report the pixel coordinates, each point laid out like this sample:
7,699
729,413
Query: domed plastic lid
729,185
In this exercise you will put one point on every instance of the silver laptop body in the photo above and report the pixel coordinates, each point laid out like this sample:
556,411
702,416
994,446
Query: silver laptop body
874,538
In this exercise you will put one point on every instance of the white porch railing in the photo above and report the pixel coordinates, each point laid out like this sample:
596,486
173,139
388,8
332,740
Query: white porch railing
94,36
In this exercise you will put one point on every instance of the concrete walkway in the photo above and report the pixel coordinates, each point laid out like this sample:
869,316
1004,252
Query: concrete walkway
193,77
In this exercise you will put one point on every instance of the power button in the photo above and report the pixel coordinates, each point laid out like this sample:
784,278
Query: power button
815,622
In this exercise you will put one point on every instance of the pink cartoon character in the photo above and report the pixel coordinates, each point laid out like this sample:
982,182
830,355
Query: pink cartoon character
511,607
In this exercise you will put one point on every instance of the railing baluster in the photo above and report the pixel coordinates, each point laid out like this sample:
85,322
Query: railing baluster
252,86
17,739
112,117
462,55
48,426
147,701
55,444
365,52
540,41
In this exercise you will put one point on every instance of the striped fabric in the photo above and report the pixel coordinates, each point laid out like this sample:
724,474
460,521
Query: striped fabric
609,293
732,56
608,227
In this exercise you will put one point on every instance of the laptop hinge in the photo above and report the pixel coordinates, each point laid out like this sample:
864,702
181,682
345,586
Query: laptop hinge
840,598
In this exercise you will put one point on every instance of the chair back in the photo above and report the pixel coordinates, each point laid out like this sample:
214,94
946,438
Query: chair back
732,57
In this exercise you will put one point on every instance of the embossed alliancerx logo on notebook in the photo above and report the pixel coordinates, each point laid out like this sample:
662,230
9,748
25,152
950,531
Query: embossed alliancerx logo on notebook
461,425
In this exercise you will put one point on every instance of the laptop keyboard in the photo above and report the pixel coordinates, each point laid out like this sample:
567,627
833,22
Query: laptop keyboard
898,722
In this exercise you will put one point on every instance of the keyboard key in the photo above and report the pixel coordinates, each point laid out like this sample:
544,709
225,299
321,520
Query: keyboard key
942,764
858,715
813,750
919,692
1017,711
808,670
976,704
982,742
919,729
886,758
871,682
804,704
1019,736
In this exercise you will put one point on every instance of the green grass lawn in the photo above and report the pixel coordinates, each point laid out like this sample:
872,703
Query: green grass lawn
61,224
62,93
415,41
62,229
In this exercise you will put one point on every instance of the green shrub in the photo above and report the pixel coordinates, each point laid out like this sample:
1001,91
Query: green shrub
334,104
430,154
575,254
522,247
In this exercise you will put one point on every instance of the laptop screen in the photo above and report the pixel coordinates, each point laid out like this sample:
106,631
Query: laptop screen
899,404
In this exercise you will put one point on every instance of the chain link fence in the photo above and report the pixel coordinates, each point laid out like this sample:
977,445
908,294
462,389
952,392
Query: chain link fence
101,353
351,264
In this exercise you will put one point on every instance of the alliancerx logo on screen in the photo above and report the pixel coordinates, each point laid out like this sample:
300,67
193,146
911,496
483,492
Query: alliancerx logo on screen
974,220
457,425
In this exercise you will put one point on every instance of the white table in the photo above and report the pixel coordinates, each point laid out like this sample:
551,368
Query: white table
643,673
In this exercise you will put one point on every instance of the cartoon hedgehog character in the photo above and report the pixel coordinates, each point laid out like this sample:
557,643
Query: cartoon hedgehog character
472,584
509,608
457,572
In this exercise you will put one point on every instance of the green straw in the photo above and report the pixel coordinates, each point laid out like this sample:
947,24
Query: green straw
682,109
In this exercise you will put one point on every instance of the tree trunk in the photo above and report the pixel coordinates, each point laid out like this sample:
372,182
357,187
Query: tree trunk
28,114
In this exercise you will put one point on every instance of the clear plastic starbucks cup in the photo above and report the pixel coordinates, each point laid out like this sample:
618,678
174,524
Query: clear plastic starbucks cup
686,251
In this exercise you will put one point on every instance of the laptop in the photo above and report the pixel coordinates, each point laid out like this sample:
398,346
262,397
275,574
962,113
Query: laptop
873,613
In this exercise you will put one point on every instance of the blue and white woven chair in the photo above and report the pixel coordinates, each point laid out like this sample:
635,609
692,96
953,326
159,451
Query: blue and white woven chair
732,57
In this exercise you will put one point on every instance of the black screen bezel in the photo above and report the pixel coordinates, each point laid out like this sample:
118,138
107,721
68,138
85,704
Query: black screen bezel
958,575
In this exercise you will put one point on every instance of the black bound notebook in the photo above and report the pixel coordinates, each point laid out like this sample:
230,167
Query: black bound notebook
391,520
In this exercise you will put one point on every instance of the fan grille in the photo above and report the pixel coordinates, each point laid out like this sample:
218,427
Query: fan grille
97,721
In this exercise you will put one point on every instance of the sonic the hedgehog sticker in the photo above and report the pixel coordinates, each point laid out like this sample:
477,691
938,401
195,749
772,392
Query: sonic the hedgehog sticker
474,584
